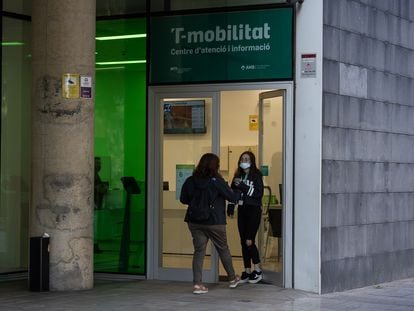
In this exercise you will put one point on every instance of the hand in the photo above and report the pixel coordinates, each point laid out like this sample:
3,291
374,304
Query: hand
237,181
239,194
230,210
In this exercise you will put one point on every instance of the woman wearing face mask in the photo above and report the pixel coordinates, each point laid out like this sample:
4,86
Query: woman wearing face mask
249,180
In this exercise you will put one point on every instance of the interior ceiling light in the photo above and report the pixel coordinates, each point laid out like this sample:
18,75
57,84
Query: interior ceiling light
123,62
110,68
134,36
10,43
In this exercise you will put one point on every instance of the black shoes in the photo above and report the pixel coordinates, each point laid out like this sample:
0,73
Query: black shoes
252,278
245,277
255,276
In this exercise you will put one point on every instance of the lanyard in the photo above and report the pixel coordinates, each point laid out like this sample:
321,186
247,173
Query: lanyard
240,203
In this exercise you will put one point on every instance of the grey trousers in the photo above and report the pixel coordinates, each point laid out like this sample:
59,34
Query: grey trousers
217,234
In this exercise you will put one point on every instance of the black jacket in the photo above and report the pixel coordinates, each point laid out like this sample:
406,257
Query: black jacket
252,189
220,192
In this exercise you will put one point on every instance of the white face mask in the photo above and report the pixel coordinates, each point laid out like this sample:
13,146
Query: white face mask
244,165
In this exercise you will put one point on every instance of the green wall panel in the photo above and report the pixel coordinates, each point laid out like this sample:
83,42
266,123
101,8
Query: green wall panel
120,143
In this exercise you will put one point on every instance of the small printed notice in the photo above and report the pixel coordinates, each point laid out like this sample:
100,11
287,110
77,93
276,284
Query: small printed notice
182,172
70,85
253,122
308,66
264,169
85,87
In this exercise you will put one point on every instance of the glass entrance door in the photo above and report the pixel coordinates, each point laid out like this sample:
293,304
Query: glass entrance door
271,154
186,132
178,136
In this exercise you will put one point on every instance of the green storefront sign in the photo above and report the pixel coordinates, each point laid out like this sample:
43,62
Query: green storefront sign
231,46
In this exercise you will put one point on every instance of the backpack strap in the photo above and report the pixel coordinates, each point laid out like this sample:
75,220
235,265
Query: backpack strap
213,180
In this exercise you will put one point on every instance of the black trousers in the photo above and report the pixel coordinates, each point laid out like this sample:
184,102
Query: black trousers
248,221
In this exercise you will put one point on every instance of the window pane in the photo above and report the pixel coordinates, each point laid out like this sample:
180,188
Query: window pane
15,145
120,140
159,5
187,135
110,7
18,6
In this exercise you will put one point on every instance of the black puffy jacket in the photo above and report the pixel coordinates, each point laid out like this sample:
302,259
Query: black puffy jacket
220,192
252,189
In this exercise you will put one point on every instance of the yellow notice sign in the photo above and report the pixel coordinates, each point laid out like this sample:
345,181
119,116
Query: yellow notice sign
70,85
253,122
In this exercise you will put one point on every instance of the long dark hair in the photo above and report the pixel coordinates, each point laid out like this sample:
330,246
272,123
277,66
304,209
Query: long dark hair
253,167
208,166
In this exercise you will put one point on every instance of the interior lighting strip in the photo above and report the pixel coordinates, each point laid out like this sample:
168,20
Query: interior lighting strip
133,36
11,43
123,62
110,68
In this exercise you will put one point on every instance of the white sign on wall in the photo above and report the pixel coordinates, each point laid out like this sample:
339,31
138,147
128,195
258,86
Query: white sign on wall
182,171
308,66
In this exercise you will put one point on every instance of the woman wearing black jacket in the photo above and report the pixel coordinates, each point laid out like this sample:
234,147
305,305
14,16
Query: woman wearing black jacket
249,180
207,183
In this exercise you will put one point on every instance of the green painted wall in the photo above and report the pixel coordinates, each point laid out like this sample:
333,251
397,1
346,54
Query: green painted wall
120,143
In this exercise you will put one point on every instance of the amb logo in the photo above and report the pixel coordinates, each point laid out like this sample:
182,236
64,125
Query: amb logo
248,67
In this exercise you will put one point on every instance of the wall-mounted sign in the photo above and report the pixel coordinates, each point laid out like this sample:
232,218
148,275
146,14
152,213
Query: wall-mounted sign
85,87
70,85
308,66
264,169
253,122
230,46
182,171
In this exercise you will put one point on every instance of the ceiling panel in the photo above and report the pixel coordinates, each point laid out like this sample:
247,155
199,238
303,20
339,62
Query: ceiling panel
115,7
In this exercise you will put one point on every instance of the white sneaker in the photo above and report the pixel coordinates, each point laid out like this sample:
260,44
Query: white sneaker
235,282
255,277
200,289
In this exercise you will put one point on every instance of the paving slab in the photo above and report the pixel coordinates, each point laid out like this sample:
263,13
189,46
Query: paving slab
166,295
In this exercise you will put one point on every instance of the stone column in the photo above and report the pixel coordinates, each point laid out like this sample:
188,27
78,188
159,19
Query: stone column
63,41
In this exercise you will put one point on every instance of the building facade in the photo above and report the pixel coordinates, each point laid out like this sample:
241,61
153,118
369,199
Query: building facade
368,93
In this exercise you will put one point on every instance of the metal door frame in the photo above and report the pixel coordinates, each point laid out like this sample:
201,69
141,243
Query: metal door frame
155,153
155,93
286,179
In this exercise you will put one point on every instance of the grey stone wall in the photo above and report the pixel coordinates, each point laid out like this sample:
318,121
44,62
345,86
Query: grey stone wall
368,143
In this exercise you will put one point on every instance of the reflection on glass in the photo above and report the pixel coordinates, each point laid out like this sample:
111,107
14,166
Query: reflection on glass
184,142
120,135
15,146
272,160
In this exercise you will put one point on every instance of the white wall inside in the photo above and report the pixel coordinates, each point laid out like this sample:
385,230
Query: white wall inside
235,135
273,143
308,146
236,106
186,148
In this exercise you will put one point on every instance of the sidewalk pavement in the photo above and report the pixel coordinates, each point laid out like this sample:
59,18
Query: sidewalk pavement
145,295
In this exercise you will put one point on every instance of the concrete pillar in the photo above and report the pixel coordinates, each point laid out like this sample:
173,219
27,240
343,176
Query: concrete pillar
63,41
